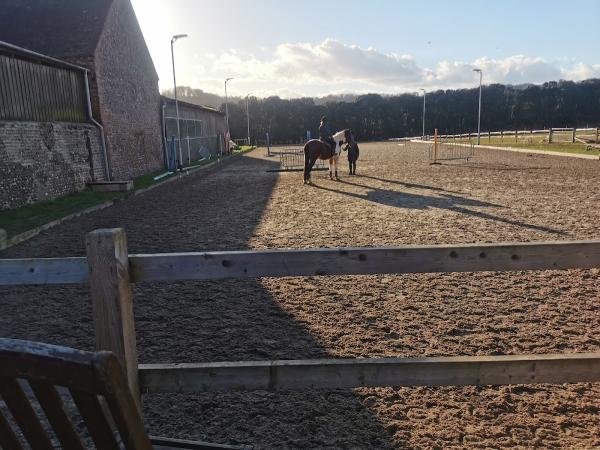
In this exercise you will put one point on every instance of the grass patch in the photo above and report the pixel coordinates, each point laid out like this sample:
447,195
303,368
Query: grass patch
203,162
17,221
534,144
147,180
245,148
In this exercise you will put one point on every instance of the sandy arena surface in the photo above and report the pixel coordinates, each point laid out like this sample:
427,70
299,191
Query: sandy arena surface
396,198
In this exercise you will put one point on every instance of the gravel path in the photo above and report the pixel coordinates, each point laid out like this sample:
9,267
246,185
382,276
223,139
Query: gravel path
397,198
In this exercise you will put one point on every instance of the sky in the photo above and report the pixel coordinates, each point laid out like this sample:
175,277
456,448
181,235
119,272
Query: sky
315,48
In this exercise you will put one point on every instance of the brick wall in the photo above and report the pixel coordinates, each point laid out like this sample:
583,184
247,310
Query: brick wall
129,100
42,161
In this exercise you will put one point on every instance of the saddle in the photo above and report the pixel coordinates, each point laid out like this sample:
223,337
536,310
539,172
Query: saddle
331,144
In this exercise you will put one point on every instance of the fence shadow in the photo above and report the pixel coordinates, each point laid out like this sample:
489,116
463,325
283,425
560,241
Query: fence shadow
199,321
404,184
456,203
503,167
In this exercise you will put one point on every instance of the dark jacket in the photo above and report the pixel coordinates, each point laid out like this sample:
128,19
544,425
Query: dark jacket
325,132
353,151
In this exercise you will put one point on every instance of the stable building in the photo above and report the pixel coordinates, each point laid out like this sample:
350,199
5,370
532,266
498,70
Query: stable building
202,130
104,37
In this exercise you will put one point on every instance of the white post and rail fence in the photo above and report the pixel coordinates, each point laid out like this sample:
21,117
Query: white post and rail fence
550,135
110,272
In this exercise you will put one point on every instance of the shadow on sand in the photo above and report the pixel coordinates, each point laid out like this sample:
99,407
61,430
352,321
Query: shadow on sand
225,320
447,200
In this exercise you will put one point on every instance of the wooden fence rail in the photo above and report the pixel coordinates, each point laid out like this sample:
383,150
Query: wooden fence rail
363,261
378,372
558,255
110,271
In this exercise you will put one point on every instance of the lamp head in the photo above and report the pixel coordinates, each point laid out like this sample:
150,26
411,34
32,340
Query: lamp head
477,70
178,36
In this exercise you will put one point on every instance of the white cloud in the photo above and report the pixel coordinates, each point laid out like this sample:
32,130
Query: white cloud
583,71
296,69
334,61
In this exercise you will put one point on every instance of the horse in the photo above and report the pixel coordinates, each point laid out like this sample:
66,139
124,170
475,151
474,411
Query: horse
317,149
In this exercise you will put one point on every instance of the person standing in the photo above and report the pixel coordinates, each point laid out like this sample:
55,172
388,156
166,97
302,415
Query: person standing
353,153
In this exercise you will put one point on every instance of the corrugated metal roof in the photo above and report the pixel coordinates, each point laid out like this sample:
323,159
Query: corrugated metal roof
192,105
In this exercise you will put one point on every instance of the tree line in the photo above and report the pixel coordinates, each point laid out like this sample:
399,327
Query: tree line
375,117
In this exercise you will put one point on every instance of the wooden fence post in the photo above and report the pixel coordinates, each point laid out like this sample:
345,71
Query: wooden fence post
501,135
550,136
597,134
489,137
516,136
112,300
3,239
574,130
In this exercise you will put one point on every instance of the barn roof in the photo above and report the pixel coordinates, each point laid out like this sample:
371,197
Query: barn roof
193,105
60,28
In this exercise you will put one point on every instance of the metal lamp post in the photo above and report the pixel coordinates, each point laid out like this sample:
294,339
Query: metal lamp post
248,117
479,114
173,40
424,95
227,113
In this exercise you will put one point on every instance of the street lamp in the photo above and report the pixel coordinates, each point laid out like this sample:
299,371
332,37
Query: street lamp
173,40
227,112
248,117
479,114
424,95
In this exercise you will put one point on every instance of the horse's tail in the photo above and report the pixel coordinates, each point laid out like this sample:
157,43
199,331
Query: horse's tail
306,161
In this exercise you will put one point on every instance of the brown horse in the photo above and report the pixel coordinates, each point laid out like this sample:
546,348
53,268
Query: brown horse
316,149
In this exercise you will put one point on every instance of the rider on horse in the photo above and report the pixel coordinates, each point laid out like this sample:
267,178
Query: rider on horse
325,133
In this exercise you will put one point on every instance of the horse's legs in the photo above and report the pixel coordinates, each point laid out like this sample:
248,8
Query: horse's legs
311,163
335,165
330,168
306,165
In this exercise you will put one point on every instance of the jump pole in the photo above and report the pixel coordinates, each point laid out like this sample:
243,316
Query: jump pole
435,147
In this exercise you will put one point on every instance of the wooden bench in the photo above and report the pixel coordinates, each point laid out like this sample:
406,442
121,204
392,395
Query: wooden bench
98,387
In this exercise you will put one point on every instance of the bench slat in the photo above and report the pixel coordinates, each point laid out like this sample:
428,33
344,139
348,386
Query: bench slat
53,406
95,420
24,414
8,439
